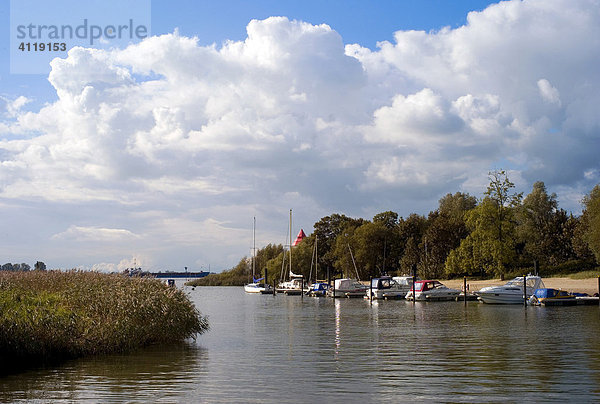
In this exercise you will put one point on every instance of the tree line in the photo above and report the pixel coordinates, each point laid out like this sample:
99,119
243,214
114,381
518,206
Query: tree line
39,266
500,235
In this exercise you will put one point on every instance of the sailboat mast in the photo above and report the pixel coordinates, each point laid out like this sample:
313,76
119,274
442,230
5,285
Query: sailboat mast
253,248
316,259
291,243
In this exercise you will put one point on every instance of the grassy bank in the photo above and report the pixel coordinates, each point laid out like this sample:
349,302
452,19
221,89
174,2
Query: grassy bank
50,316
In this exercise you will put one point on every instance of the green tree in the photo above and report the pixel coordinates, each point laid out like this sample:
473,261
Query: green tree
389,219
327,230
490,246
410,232
374,251
538,228
591,221
343,253
447,228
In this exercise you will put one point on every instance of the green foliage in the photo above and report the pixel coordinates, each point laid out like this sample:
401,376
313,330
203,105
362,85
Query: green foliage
543,228
591,221
447,228
52,315
327,230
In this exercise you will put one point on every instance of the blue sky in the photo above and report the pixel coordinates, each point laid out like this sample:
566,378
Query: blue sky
161,152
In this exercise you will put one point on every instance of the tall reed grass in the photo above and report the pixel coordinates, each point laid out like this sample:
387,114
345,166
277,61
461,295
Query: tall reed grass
53,315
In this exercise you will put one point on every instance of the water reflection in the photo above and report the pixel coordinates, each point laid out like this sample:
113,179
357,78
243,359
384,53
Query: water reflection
154,374
281,349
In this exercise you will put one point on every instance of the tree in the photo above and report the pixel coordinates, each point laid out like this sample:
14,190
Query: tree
343,251
491,244
327,230
447,228
389,219
540,225
498,193
411,233
591,221
375,251
7,267
40,266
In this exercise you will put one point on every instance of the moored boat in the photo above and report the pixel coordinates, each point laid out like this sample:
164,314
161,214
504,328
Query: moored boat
511,292
386,288
431,290
346,287
552,297
257,287
318,289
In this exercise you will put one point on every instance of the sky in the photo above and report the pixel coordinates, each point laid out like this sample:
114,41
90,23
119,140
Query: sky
159,150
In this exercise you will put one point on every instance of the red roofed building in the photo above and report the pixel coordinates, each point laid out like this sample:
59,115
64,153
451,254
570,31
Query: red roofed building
300,237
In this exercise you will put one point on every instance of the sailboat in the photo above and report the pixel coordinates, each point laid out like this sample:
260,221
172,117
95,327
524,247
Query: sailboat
317,288
256,286
295,286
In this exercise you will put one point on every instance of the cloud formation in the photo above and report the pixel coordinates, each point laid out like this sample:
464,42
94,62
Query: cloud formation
175,146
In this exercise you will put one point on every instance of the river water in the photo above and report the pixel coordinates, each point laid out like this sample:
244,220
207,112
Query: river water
313,350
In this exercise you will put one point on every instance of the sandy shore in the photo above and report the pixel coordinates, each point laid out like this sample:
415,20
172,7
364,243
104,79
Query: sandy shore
589,286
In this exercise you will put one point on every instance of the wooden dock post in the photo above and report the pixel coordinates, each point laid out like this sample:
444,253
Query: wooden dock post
334,286
414,271
599,290
525,290
371,289
465,289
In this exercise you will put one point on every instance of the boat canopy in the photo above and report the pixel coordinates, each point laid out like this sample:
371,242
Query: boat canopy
382,283
423,286
346,284
548,293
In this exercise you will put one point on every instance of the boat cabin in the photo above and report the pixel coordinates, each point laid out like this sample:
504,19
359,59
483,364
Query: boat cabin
383,283
424,286
549,293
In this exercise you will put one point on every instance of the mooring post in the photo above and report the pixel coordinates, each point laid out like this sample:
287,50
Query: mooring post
414,270
599,290
333,287
465,289
302,287
273,287
525,290
371,289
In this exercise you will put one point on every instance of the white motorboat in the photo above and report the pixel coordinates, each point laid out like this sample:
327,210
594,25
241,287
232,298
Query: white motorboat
346,287
429,290
295,286
256,287
511,292
386,288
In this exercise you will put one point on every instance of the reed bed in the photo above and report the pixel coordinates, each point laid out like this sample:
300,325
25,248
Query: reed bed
54,315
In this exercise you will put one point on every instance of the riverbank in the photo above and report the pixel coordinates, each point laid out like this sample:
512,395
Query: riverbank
49,316
589,285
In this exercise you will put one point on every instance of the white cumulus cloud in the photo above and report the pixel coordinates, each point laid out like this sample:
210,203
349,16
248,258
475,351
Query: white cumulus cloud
183,143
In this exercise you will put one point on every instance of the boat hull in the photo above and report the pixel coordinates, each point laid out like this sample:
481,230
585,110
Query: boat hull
500,298
433,297
256,288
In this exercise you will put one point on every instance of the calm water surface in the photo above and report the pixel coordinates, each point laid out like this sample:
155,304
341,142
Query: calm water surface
293,349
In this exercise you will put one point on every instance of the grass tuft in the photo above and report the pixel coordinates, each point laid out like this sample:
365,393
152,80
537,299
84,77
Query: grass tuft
52,315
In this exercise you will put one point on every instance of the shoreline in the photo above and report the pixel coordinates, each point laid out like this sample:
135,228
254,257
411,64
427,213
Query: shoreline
588,285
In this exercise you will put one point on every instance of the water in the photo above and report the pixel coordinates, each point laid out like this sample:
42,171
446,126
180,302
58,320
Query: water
293,349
